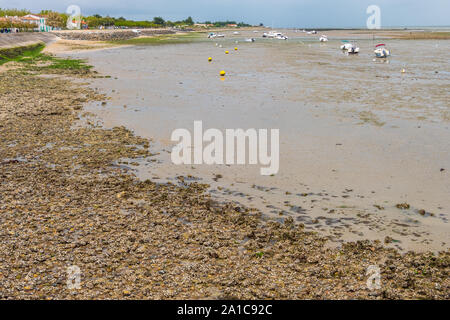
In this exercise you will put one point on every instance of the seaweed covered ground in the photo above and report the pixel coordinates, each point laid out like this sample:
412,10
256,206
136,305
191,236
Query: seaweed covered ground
162,39
20,52
65,202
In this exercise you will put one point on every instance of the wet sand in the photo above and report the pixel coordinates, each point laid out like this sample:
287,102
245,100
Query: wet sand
357,137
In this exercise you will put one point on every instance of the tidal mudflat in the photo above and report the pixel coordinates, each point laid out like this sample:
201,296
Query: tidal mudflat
364,147
67,199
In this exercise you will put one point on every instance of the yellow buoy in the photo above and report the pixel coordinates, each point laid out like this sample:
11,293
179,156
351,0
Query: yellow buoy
209,59
235,48
222,73
226,52
403,71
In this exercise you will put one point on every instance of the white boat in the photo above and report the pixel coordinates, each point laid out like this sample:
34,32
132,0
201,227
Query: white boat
236,32
381,51
275,35
345,45
213,35
323,38
136,31
350,47
250,40
271,34
354,49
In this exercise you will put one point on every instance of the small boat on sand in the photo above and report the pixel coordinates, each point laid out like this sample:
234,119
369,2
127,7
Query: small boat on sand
275,35
213,35
381,51
323,38
281,37
354,49
350,47
250,40
345,45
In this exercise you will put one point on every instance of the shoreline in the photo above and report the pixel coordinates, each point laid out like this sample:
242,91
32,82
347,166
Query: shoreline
65,203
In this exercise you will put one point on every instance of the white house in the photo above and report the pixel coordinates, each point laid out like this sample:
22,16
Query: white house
39,21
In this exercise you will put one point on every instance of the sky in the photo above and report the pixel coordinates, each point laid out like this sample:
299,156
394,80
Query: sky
276,13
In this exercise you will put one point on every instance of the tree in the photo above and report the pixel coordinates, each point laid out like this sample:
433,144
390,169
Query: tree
13,12
159,21
54,19
189,21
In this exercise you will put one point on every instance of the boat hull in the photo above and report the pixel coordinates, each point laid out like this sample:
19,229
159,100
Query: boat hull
382,53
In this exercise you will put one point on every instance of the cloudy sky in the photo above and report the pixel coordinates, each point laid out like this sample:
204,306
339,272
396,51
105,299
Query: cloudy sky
279,13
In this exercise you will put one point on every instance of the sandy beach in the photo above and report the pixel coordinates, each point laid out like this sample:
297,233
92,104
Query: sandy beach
363,180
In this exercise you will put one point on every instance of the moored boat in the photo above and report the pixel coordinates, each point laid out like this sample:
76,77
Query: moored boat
350,47
213,35
275,35
381,51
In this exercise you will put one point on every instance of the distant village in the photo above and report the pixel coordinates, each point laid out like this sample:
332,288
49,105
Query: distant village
29,22
14,20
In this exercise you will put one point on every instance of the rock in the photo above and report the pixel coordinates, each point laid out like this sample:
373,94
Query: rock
121,195
403,206
388,239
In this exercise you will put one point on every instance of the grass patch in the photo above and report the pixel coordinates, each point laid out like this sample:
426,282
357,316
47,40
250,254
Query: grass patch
425,36
33,59
47,63
61,63
20,53
161,39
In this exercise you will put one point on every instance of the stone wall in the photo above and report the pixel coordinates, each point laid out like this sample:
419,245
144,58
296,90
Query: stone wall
108,35
11,40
